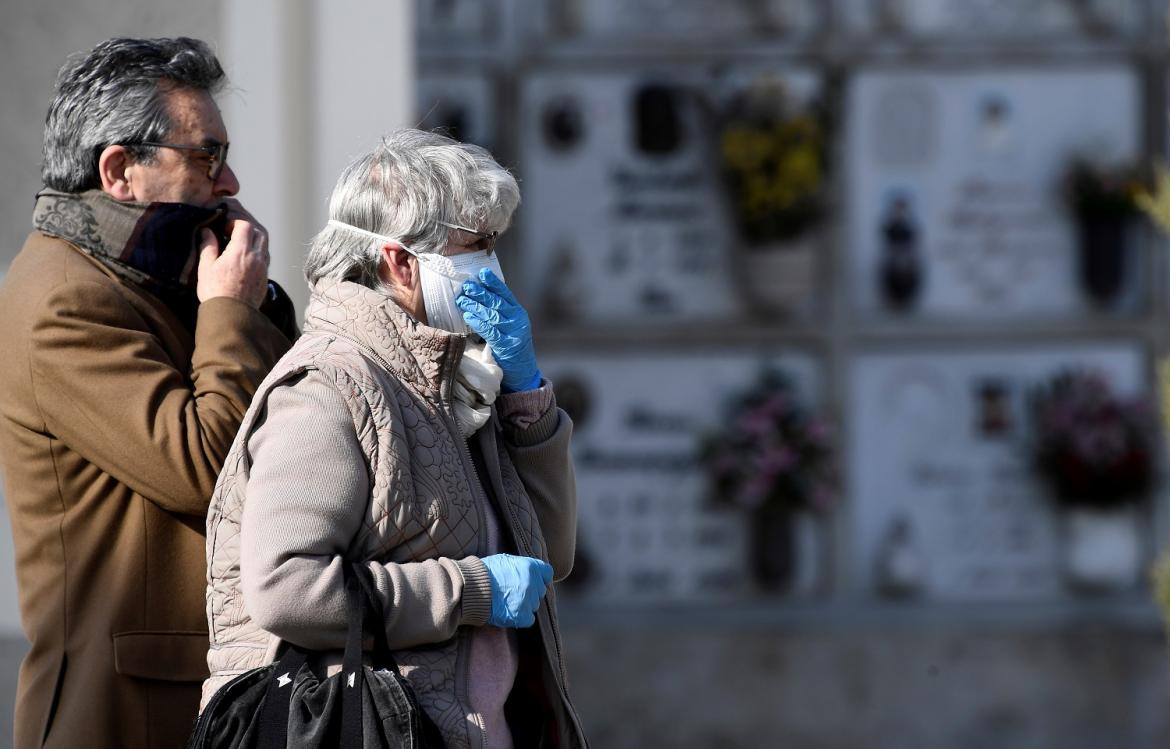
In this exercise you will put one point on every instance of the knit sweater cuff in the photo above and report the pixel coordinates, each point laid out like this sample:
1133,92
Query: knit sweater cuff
529,417
477,592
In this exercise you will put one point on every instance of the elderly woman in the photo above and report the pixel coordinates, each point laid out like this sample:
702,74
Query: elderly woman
410,429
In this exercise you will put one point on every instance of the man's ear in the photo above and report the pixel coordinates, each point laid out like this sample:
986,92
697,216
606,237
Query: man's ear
399,268
114,165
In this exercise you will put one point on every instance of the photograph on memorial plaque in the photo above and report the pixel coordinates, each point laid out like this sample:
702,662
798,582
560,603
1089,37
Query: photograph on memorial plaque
626,215
902,273
995,19
649,524
457,104
980,161
607,20
948,499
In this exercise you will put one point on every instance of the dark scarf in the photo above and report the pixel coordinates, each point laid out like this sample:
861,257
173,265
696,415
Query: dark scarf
154,245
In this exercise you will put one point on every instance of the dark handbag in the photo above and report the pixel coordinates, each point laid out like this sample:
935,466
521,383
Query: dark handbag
286,704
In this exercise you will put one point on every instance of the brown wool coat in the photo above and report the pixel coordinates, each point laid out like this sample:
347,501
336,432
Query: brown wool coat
114,424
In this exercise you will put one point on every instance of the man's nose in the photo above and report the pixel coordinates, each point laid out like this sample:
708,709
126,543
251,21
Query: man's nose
226,183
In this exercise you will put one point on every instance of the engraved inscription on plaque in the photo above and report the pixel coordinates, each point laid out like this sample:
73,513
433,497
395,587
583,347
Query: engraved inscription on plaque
978,159
940,440
647,531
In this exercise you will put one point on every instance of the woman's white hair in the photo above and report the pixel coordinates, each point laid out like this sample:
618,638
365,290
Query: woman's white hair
403,189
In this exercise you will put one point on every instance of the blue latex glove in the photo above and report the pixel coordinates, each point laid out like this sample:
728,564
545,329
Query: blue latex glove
518,584
490,310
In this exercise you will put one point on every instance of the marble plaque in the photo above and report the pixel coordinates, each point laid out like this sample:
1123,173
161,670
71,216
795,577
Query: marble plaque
647,533
994,18
966,168
622,215
474,19
939,445
458,104
607,19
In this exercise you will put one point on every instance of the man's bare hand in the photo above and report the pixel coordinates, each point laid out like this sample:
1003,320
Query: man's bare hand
237,212
240,271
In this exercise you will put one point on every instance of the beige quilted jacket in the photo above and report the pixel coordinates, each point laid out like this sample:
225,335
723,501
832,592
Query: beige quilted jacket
423,528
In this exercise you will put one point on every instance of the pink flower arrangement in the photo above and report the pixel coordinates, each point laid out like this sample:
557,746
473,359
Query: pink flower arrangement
772,450
1092,447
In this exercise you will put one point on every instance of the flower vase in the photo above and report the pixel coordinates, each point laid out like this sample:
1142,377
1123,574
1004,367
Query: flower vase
772,546
1103,256
777,278
1101,548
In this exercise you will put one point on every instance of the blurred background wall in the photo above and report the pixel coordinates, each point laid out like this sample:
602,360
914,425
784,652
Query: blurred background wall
915,214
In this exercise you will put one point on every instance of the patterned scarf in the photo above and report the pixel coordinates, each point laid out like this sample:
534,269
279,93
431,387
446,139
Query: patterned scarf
154,245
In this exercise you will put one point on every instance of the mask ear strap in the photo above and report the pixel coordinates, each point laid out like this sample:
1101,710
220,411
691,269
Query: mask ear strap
371,234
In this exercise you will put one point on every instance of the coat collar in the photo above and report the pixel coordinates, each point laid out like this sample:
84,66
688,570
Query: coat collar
418,354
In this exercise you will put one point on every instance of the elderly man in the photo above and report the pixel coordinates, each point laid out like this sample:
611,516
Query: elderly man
410,430
133,343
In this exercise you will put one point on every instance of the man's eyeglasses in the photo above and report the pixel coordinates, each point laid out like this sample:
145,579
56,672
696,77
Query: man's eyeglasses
487,240
217,153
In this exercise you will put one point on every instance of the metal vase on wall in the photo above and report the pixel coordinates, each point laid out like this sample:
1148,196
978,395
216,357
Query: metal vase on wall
772,546
1103,257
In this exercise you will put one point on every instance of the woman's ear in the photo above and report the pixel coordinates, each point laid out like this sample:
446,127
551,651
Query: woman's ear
399,272
399,268
114,164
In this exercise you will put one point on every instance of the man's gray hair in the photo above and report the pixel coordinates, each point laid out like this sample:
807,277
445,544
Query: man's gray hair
403,189
114,94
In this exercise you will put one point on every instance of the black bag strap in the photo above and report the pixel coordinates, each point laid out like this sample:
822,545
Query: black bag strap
273,726
353,675
375,618
429,734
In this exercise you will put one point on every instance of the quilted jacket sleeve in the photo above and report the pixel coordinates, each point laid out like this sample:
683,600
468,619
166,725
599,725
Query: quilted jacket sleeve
536,435
306,499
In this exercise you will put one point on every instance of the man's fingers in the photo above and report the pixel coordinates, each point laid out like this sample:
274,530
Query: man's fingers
259,243
237,212
208,247
241,237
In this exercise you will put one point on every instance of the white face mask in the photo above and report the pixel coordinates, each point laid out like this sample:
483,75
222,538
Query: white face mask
442,277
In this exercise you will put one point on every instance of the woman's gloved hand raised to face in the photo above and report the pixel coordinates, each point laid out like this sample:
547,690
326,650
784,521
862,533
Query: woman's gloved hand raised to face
491,311
518,584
